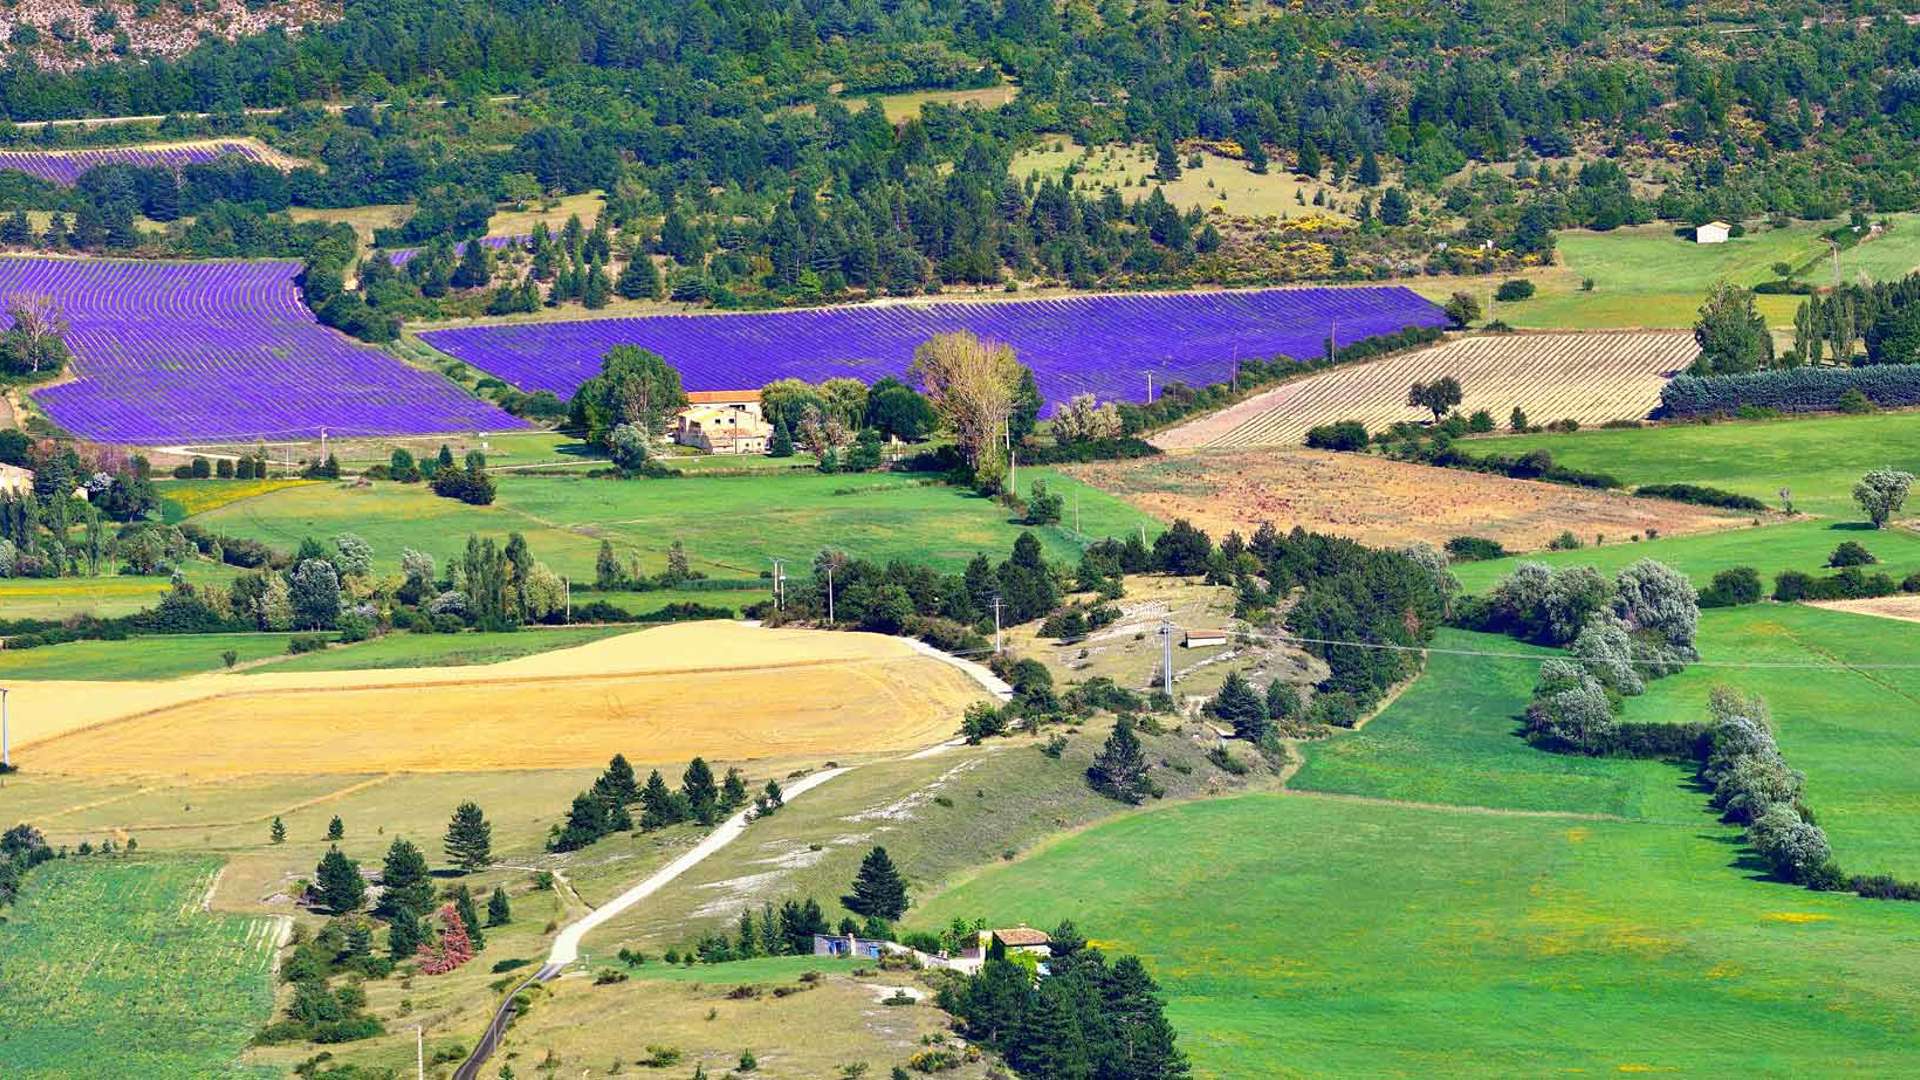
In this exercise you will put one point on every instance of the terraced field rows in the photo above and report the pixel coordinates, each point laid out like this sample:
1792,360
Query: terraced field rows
1591,378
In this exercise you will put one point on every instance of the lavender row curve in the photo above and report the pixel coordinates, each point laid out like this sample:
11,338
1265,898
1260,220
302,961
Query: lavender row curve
65,167
183,352
1103,345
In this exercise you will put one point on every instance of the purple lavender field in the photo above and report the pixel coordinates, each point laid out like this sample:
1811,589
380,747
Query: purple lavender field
403,256
1103,345
223,351
66,166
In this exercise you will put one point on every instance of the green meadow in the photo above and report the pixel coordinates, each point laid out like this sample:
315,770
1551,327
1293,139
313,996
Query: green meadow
1818,458
111,962
1305,935
1453,737
163,656
1796,545
403,650
1646,276
1844,689
730,525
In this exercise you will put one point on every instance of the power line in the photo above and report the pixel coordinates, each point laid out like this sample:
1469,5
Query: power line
1789,665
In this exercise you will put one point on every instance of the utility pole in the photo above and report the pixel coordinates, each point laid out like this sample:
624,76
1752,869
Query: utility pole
6,749
420,1051
568,582
996,626
779,585
1149,387
829,593
323,446
1166,658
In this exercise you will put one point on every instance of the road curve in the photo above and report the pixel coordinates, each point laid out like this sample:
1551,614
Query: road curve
566,948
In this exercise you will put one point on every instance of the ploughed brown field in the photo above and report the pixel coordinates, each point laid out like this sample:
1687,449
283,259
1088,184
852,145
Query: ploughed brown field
1383,502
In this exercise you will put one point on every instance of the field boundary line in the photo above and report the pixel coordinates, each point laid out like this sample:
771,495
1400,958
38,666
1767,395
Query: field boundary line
1468,808
341,793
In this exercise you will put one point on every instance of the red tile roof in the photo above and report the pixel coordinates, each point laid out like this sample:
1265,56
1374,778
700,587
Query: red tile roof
721,397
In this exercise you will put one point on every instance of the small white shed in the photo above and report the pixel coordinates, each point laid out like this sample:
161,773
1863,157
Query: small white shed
1713,232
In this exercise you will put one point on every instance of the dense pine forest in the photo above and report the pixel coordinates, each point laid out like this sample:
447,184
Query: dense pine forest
738,144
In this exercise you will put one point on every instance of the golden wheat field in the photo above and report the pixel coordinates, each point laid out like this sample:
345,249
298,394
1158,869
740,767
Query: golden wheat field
1591,378
720,689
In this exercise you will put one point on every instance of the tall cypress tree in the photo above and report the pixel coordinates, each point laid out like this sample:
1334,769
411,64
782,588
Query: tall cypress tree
878,890
463,904
469,840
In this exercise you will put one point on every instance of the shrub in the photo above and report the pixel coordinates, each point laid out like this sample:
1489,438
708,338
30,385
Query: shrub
1733,587
1336,709
1345,435
305,643
1700,495
1851,553
1514,289
1854,403
1474,549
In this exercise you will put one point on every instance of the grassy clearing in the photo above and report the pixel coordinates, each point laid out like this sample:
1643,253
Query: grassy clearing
521,222
159,657
730,525
111,963
1645,276
1851,727
1796,545
1452,738
1819,458
1219,183
939,817
906,106
1320,936
442,650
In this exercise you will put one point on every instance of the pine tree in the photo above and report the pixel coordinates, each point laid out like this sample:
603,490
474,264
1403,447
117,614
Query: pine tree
278,833
469,917
338,881
1139,1025
499,911
1239,705
476,266
1049,1041
641,278
336,830
405,879
658,806
617,782
697,788
877,889
747,946
1120,770
1369,169
1166,160
596,290
469,840
404,935
733,793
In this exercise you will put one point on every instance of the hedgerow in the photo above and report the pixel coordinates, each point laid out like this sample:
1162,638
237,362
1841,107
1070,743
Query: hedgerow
1790,390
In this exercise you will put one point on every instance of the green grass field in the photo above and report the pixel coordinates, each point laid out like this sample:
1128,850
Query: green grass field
404,650
1795,545
1818,458
730,525
1846,716
1302,935
159,657
110,968
1453,738
1645,276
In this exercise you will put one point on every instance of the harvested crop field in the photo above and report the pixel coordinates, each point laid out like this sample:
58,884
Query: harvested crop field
1382,502
1591,378
721,689
1902,606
